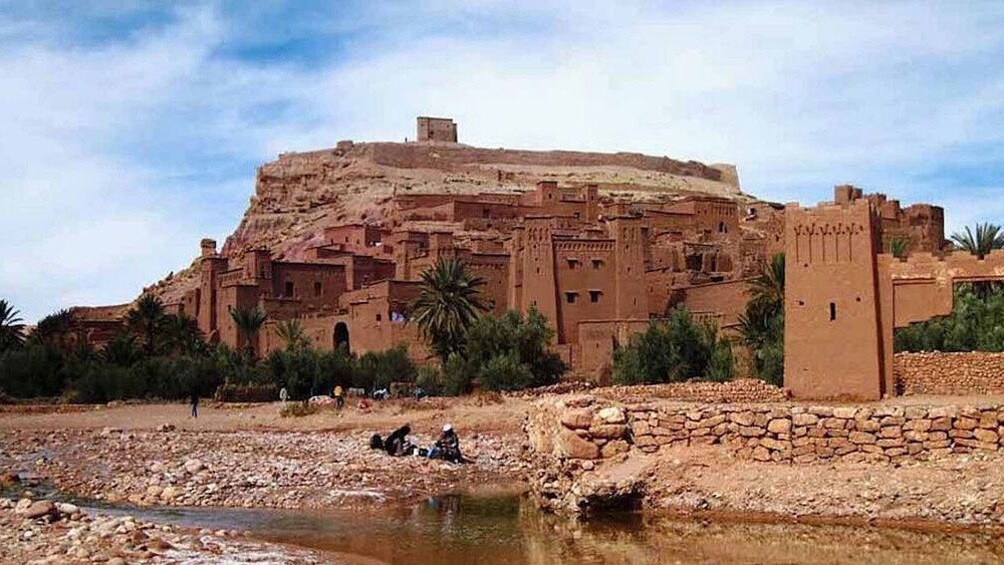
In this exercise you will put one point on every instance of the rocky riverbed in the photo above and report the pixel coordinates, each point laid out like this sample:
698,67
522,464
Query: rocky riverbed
41,531
247,469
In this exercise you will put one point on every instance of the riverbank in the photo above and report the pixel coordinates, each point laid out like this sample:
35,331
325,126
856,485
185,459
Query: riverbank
248,457
43,532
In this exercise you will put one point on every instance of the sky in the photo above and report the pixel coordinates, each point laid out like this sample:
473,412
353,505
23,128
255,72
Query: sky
130,130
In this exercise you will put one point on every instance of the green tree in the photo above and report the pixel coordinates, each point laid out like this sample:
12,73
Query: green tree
673,350
146,319
511,353
292,334
975,324
762,324
985,239
122,351
447,304
180,335
56,331
11,327
899,247
768,287
249,323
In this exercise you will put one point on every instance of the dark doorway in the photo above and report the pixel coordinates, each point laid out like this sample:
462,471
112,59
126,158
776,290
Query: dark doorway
342,336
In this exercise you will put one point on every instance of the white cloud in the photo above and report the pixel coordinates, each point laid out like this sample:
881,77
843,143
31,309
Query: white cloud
105,147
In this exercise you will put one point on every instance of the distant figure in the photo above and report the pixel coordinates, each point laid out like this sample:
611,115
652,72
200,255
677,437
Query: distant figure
447,446
339,397
195,404
397,443
283,396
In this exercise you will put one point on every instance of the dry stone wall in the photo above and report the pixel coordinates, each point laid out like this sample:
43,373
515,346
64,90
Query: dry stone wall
730,392
587,428
975,372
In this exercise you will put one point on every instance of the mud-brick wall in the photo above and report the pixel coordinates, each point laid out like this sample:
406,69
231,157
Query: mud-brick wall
974,372
590,429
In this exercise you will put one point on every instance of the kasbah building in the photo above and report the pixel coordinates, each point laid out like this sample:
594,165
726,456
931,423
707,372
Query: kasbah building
601,244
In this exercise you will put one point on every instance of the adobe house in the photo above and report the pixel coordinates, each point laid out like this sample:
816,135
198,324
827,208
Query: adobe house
598,260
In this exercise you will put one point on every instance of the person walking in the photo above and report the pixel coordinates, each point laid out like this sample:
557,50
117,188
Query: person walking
195,404
339,397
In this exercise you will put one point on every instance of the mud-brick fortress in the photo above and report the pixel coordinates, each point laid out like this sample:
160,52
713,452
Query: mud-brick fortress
600,243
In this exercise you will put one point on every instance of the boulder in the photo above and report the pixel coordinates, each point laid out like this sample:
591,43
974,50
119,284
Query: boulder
579,419
40,509
612,415
574,447
608,431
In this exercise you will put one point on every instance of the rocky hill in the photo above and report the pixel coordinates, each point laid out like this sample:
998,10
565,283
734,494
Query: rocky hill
299,194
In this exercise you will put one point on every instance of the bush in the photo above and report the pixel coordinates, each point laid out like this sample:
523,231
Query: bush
32,371
298,410
246,393
674,350
376,370
509,353
975,324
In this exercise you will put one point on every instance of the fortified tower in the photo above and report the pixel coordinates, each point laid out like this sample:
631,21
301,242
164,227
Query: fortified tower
437,129
833,340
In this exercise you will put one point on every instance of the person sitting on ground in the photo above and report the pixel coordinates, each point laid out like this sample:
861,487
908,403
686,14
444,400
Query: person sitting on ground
397,443
447,446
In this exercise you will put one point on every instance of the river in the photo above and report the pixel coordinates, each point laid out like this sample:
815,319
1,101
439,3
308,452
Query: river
509,530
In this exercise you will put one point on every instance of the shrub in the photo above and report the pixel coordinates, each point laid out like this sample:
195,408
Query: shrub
376,370
673,350
457,377
246,393
431,380
298,409
34,370
975,324
510,352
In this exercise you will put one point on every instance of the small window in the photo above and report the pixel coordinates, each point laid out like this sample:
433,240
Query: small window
318,288
594,296
571,297
379,317
289,289
573,263
597,263
833,311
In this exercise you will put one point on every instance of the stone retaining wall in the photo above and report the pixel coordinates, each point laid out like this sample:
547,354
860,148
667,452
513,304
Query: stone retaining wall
587,428
734,391
976,372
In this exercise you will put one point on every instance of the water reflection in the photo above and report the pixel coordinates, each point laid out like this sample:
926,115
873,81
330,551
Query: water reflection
510,530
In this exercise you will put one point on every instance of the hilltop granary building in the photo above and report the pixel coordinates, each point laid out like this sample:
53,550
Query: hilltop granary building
599,259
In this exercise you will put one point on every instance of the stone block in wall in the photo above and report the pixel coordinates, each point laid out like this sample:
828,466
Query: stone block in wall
572,446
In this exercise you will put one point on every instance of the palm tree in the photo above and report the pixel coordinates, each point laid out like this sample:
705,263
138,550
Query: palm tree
768,288
447,304
249,323
11,327
986,238
147,319
899,247
181,334
122,351
55,331
292,334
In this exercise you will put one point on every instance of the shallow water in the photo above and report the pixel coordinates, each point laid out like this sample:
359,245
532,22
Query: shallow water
509,530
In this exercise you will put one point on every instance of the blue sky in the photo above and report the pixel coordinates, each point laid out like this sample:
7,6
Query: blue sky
133,129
